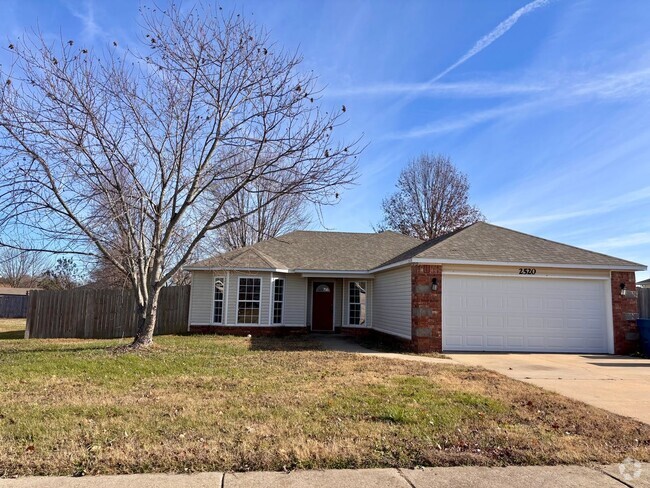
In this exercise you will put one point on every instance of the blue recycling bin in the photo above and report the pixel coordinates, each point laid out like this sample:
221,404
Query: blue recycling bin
644,333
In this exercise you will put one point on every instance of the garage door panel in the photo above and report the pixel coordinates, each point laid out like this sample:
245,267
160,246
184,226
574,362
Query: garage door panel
474,340
515,341
494,340
524,314
516,321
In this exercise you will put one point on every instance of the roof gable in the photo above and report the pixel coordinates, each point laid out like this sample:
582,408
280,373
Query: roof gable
483,242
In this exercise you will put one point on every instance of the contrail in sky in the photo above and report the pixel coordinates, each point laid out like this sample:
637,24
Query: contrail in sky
497,32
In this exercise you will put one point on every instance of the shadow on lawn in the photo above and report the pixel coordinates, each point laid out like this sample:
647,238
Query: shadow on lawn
12,334
285,343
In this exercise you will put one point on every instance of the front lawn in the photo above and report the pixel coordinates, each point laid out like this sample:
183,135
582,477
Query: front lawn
198,403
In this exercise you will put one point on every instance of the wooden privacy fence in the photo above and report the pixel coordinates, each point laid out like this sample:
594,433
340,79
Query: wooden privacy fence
13,306
643,299
101,314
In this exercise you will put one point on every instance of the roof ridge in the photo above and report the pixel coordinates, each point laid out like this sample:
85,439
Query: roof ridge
558,242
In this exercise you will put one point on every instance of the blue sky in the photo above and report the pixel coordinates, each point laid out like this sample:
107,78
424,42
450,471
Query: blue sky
545,105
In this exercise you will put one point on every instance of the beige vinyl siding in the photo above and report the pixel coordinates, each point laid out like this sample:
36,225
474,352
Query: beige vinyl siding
295,299
201,296
391,302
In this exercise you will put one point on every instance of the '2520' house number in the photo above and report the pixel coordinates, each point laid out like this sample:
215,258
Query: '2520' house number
527,271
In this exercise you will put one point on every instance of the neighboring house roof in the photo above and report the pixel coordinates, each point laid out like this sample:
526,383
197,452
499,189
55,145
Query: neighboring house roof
15,291
644,282
315,250
487,243
342,251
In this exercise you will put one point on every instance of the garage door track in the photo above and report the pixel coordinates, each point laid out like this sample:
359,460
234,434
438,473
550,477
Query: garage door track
620,384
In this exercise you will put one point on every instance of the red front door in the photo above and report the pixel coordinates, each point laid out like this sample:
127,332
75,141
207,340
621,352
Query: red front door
322,314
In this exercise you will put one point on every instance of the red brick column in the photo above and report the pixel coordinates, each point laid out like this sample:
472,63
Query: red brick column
625,311
426,308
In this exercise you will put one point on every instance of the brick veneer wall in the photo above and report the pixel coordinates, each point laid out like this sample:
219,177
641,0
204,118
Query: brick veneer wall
426,308
626,334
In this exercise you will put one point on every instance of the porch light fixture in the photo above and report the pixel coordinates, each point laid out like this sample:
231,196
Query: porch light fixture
623,289
434,284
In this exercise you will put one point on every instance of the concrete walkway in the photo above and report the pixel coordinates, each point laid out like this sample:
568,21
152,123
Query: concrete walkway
346,344
620,384
637,476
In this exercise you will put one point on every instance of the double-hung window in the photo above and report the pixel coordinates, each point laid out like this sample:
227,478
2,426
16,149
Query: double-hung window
278,300
357,302
219,287
248,302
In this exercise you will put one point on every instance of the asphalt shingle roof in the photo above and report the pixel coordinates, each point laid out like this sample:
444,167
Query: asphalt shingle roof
315,250
489,243
344,251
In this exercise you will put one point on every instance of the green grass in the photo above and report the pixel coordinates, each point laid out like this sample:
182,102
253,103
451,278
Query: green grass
196,403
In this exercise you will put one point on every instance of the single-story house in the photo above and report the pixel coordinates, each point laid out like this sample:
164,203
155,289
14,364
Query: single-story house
643,284
481,288
10,291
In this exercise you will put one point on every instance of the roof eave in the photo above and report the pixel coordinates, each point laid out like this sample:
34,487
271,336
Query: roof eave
233,268
621,267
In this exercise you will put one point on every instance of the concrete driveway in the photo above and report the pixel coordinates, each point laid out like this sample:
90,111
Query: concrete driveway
619,384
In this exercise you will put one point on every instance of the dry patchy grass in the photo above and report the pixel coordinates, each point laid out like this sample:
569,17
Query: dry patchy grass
12,328
199,403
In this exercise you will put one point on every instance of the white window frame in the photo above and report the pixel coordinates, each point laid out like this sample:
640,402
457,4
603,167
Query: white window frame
223,299
349,303
259,308
274,301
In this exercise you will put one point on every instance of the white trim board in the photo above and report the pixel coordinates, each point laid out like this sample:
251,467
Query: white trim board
523,276
511,264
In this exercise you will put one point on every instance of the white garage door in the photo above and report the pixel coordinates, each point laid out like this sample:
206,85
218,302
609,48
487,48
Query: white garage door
483,313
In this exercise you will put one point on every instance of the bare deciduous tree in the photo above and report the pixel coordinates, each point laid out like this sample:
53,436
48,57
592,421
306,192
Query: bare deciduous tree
432,199
152,146
265,220
20,268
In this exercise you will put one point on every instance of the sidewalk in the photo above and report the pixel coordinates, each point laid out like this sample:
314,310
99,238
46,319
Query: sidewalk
458,477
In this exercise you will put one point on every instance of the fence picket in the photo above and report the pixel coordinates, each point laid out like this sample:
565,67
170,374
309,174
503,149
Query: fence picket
643,299
95,314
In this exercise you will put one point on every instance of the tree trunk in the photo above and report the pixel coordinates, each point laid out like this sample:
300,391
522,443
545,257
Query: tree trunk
147,321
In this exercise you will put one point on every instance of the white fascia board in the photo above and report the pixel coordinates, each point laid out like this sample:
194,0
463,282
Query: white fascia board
317,273
531,265
391,266
209,268
523,277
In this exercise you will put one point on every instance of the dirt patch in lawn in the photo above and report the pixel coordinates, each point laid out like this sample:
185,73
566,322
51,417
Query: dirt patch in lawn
199,403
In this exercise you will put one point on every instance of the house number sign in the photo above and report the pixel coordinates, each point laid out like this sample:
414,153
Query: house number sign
527,271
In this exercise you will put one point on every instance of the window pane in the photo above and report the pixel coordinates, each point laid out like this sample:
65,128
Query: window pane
218,300
248,311
278,297
357,302
218,312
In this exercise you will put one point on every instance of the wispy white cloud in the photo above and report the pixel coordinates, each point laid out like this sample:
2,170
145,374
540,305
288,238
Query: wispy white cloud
625,85
461,89
493,35
629,240
90,27
607,206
